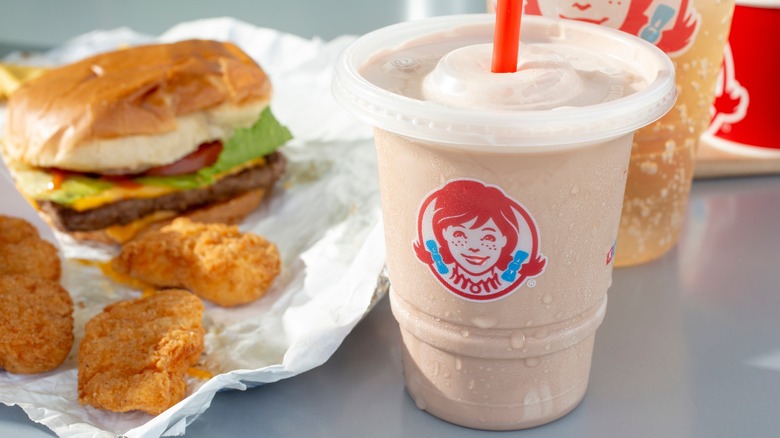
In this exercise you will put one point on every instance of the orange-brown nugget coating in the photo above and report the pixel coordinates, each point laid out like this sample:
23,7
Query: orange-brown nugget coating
135,354
214,261
36,324
23,252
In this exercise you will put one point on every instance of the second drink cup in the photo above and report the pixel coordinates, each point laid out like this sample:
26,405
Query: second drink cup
693,33
501,198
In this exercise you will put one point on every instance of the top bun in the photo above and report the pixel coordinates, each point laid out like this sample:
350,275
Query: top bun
136,108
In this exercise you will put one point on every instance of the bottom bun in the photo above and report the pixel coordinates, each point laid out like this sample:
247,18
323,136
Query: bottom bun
232,211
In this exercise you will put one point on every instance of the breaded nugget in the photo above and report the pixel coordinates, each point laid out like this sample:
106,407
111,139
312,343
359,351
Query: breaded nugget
36,324
14,229
214,261
135,354
23,252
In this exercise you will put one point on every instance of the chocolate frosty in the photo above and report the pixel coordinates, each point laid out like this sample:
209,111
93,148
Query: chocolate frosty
501,196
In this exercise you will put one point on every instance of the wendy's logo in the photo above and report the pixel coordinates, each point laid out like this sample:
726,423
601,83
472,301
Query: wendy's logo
671,25
479,242
731,98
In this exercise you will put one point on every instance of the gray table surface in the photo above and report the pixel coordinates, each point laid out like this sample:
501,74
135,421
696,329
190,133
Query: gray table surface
690,347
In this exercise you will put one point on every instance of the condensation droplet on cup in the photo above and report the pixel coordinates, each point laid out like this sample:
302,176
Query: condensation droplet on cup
649,167
464,333
517,340
420,402
532,362
485,321
547,299
471,384
403,65
458,364
575,189
542,333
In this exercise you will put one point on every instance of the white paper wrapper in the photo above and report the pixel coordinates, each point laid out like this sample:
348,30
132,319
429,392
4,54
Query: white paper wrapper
324,217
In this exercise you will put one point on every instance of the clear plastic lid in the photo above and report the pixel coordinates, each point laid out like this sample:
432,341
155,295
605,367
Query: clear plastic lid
484,129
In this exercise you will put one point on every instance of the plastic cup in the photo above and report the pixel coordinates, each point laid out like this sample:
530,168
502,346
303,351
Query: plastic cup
693,33
746,96
510,349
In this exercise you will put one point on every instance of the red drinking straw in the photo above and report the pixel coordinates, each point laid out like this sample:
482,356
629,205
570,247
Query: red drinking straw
506,39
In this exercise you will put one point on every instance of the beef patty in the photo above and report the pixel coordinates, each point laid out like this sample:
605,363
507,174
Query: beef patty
128,210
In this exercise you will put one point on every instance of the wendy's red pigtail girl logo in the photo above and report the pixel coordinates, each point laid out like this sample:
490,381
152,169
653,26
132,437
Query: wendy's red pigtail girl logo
671,25
477,241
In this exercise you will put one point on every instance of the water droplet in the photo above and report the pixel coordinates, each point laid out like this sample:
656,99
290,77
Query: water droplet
575,189
420,402
532,362
485,321
464,333
547,299
458,364
542,333
517,340
471,384
649,167
436,370
405,65
547,347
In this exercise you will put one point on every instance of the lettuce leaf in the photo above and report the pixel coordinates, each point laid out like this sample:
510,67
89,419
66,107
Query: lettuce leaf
75,188
246,144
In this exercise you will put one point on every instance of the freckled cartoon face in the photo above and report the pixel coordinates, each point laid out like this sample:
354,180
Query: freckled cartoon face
610,13
475,249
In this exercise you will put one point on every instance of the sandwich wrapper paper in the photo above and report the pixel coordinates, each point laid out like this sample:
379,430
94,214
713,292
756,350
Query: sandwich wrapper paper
323,215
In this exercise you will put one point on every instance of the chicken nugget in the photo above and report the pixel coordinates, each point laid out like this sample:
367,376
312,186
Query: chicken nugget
214,261
135,354
36,324
14,229
23,252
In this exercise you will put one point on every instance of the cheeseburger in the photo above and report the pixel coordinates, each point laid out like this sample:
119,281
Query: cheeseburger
111,144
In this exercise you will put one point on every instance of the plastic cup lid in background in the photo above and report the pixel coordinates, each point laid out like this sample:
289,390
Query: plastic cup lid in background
481,129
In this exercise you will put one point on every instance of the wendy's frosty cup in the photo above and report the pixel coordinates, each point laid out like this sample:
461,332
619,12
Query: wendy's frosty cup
501,198
693,33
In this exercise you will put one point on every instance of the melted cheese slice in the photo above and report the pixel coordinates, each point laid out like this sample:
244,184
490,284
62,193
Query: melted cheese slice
119,193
